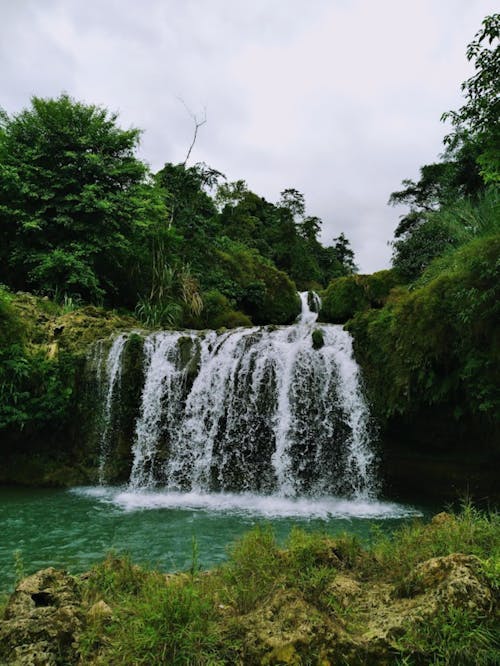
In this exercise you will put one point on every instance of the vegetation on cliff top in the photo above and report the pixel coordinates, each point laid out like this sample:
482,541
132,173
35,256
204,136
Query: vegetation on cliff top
43,346
82,218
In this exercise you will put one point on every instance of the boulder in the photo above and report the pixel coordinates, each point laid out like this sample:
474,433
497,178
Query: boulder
41,621
434,586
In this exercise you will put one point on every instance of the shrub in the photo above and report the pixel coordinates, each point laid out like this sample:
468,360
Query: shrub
437,344
255,285
345,296
218,313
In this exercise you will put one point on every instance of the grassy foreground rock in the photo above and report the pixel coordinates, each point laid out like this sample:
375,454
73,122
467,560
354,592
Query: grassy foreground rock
429,595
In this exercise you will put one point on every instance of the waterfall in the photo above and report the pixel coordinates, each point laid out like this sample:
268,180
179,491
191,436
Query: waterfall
257,409
108,368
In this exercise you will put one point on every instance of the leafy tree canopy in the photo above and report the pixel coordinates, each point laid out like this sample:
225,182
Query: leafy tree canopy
82,217
73,200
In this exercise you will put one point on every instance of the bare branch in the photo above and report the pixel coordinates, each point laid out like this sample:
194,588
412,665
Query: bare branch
198,122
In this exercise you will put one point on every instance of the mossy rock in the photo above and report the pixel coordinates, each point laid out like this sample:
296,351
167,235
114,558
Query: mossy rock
190,356
77,330
318,339
345,296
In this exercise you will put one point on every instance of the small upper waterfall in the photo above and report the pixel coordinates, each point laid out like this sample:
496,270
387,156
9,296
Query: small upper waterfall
264,409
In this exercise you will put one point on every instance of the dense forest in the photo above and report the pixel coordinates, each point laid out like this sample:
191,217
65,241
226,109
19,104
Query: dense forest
84,220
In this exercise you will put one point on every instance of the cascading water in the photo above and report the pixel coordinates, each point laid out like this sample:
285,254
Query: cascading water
261,409
108,371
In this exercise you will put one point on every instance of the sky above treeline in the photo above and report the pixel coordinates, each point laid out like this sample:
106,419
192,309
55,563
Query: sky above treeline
340,99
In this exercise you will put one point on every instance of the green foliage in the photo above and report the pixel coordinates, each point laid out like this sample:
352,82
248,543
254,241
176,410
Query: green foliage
74,201
412,254
174,298
470,531
166,314
318,340
218,313
454,637
310,563
283,234
437,344
154,621
469,165
254,285
441,231
342,298
345,296
82,219
205,618
35,391
480,115
10,326
253,570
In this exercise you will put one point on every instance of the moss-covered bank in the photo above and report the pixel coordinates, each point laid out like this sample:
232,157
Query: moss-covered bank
431,362
43,348
430,355
429,595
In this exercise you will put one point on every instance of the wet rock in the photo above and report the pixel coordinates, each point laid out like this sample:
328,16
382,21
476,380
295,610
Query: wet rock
41,621
190,356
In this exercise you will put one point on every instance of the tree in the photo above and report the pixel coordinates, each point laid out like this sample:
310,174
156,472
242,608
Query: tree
442,183
470,163
480,115
344,253
293,201
309,228
482,90
193,214
74,201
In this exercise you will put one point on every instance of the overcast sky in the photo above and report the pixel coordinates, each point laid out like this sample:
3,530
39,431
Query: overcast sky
340,99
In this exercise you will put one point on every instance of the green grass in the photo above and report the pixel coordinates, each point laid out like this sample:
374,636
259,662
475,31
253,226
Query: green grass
471,531
454,637
204,617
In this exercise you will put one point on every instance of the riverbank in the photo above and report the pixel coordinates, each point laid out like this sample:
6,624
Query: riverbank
427,595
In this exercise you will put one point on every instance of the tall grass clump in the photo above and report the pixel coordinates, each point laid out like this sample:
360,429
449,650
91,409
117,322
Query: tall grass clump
471,531
254,569
156,619
453,637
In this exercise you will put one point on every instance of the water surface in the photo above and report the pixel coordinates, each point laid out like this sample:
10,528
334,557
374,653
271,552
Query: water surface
73,529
